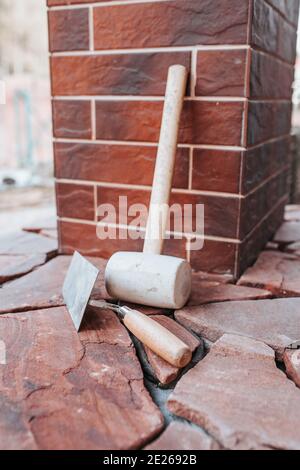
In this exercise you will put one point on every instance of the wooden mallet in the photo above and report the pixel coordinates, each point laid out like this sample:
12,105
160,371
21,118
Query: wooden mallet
149,278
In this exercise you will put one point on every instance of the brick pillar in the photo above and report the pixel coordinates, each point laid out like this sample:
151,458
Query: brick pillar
109,62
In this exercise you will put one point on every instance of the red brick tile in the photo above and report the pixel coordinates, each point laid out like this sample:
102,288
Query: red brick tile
272,33
221,73
216,170
270,78
267,120
72,119
213,208
252,246
215,257
260,202
202,122
120,74
262,162
83,237
289,8
127,26
69,30
100,162
75,201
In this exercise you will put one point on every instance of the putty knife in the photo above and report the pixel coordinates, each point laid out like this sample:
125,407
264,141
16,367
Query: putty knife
77,289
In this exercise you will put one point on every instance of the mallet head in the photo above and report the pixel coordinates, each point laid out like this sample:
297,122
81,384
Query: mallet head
147,279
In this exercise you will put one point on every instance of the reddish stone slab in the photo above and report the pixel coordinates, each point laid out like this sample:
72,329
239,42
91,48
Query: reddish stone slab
292,364
276,271
211,277
240,397
275,322
206,292
12,267
165,372
69,391
42,288
181,436
41,224
288,233
24,243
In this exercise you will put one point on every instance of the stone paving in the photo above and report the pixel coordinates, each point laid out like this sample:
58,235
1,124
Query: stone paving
101,389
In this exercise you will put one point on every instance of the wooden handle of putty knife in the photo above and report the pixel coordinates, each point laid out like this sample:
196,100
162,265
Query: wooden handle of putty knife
158,338
165,160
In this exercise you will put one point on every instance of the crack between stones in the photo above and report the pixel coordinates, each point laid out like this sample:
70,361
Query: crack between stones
148,382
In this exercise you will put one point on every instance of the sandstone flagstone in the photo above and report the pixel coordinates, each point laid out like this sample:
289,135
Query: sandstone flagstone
275,271
67,391
147,310
15,266
182,436
25,243
43,224
275,322
292,365
219,278
288,233
164,372
43,287
294,248
239,396
292,213
205,292
51,233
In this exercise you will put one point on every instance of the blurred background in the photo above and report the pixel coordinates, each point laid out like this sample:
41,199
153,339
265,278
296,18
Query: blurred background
26,185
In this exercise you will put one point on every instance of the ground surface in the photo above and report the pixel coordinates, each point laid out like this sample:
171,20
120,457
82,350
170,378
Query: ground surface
101,389
23,206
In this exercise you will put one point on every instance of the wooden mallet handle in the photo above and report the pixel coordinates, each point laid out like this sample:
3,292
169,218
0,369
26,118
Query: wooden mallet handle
164,168
158,338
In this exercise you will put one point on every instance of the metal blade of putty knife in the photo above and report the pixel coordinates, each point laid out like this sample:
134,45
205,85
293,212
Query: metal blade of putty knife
78,286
